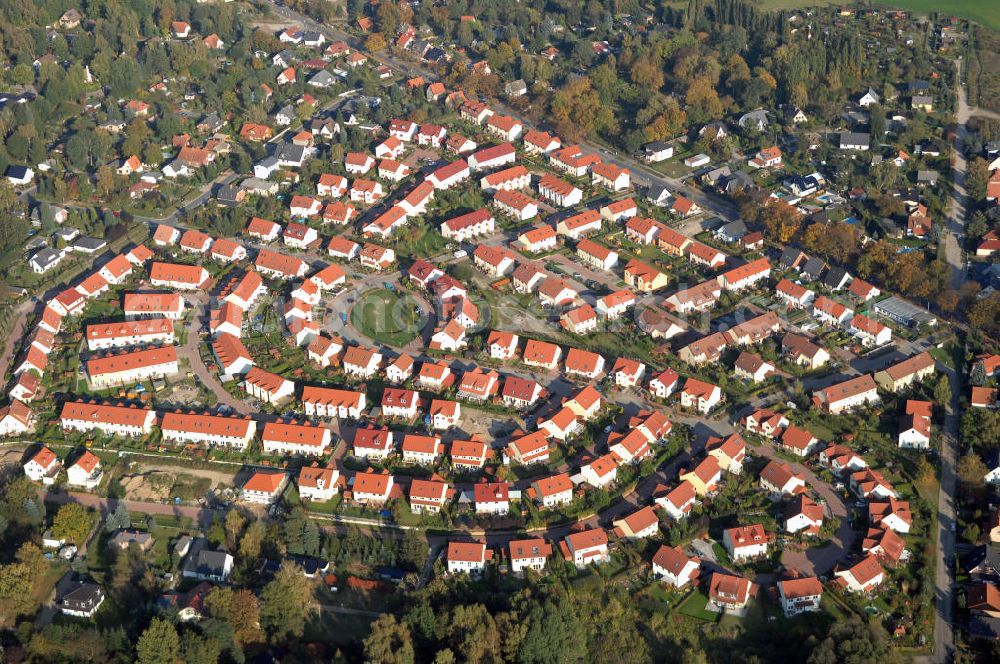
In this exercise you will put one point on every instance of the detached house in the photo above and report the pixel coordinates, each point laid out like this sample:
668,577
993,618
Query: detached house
700,396
672,565
586,547
746,542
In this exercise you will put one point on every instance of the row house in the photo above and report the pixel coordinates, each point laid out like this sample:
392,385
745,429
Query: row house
450,174
746,276
571,160
702,254
540,143
206,429
110,419
904,374
793,294
509,179
850,394
131,367
153,305
280,266
149,331
178,277
495,157
468,226
596,255
830,311
559,192
295,438
330,402
268,387
504,127
700,297
469,455
579,225
518,206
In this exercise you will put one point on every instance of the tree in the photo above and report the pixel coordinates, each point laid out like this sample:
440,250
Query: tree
781,220
853,642
22,74
389,642
942,391
977,177
577,110
285,603
375,42
251,541
234,527
159,644
240,610
119,519
72,523
15,593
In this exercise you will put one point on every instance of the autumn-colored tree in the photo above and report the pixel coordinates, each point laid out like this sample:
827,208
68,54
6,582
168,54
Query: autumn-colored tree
837,241
72,523
781,220
577,110
240,609
703,100
375,42
647,73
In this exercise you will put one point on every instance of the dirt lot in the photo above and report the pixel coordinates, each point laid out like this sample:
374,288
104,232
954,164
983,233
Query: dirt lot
151,482
11,455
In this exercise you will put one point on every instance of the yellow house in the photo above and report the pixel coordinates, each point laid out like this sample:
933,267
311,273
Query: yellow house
643,277
705,476
905,373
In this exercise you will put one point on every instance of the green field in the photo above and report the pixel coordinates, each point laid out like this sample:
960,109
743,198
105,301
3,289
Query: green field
985,12
387,317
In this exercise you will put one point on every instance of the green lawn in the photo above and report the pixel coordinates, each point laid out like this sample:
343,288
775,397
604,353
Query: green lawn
387,317
694,607
986,12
